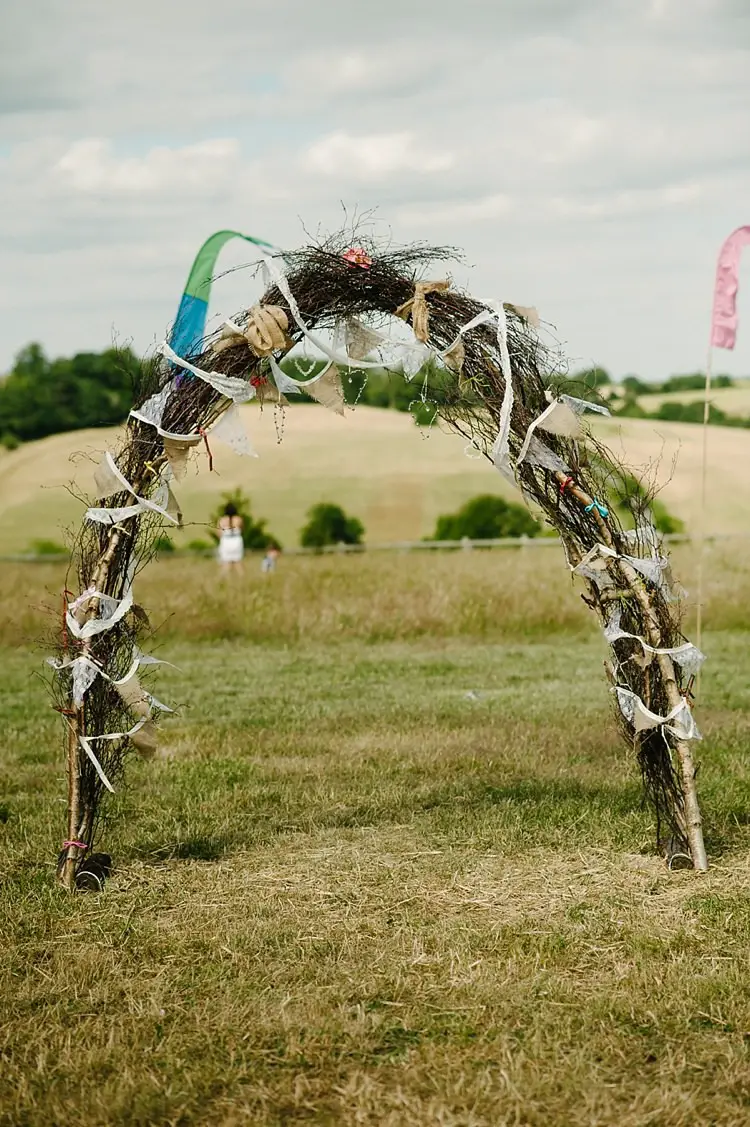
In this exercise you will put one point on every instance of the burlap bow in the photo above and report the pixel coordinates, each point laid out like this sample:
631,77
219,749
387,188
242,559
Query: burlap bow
266,331
418,308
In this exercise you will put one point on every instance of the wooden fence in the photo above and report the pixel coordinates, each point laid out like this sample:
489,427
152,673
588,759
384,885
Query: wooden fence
519,543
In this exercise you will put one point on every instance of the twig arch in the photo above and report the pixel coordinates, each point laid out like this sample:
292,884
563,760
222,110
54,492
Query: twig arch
491,380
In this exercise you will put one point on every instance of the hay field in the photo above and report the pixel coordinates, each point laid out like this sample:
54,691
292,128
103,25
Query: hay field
375,462
390,866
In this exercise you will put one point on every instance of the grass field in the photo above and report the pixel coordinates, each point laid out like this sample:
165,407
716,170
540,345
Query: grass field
389,867
375,462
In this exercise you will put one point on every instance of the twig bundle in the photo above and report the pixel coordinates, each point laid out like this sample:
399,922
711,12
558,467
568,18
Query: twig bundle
493,382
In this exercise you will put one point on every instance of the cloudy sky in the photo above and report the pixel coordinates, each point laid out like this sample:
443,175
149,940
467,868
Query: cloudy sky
589,156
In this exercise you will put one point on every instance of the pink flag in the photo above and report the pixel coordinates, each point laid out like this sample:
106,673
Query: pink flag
724,321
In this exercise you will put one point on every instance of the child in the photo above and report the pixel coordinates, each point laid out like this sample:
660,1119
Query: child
269,560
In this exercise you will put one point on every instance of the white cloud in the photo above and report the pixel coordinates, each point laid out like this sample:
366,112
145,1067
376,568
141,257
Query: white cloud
456,212
589,157
91,165
374,155
628,203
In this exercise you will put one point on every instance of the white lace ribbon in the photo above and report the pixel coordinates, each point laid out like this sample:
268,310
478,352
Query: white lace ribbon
655,569
85,670
679,721
287,385
103,515
688,656
229,386
86,741
111,611
561,417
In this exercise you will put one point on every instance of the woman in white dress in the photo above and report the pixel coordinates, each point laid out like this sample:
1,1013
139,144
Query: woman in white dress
231,547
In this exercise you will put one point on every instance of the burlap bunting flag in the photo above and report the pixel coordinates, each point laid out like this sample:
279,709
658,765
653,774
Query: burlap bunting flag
177,451
327,390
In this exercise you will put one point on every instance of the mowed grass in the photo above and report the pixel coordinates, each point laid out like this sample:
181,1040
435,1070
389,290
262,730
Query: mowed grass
396,478
390,866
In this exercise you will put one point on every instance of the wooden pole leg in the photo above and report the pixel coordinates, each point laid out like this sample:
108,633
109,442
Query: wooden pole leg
691,810
72,851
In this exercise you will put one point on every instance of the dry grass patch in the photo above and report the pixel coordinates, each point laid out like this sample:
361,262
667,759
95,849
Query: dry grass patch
368,978
489,595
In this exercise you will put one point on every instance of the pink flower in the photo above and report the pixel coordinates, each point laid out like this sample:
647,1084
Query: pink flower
355,256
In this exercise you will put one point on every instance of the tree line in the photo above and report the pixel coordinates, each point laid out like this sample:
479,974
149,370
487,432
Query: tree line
40,397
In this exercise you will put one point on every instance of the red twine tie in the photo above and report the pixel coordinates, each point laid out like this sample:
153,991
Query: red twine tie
77,844
565,484
204,435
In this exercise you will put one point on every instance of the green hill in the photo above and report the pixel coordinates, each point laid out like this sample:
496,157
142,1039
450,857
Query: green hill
375,462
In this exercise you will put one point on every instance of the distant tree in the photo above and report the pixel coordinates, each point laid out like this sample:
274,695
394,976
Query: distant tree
664,521
254,534
328,524
423,413
691,413
163,544
694,381
377,389
380,387
486,517
633,503
635,386
630,408
32,363
48,548
41,397
593,377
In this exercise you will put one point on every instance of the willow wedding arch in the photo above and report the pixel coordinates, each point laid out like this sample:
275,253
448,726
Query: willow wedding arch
484,367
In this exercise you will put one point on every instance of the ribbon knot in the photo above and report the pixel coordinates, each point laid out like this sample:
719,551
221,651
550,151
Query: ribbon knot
602,510
418,309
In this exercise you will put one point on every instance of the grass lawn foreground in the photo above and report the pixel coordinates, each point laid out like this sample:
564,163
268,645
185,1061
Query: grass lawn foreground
390,865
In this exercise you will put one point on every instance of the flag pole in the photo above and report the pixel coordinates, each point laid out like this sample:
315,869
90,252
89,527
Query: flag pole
703,503
723,334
